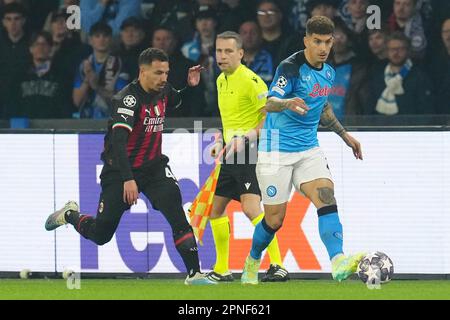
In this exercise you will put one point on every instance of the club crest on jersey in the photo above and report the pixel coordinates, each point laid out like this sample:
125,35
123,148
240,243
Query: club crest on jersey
328,73
282,82
129,101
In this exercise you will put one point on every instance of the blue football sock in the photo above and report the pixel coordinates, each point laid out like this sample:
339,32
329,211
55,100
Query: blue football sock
262,236
330,229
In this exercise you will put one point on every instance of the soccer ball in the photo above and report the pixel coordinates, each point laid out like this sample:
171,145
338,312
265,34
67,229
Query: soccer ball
67,273
25,274
375,268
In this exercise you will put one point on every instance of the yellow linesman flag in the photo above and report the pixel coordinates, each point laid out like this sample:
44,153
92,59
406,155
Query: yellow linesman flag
201,207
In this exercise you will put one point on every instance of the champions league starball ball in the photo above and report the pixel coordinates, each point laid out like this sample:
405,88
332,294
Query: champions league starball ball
375,268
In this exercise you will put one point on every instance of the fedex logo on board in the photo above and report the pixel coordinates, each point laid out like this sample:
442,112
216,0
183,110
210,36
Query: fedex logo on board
291,237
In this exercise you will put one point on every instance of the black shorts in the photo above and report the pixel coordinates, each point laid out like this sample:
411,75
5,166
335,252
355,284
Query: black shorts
156,182
237,179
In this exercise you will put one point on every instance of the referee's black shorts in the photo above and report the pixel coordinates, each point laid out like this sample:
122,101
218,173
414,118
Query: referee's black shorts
238,175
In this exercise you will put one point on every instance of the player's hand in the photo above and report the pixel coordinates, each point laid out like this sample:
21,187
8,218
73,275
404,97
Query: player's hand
130,192
236,145
297,105
354,144
216,148
194,75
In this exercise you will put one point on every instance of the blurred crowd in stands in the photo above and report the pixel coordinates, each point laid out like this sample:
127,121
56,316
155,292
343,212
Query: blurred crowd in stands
48,71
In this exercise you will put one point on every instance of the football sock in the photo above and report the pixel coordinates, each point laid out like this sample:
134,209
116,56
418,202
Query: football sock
262,236
221,233
272,249
330,230
187,248
82,223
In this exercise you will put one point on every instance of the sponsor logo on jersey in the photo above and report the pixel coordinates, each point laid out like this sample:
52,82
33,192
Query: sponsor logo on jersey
318,91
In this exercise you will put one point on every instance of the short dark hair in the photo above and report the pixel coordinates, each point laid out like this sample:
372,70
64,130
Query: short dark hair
134,22
383,30
268,1
319,25
164,27
151,54
41,34
231,35
399,36
311,4
14,7
102,28
339,24
58,14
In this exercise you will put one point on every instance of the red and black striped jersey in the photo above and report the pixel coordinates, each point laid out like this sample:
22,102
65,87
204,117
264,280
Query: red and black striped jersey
135,129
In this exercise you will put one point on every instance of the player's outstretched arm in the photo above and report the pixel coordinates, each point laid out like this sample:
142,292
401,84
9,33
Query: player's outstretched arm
296,105
328,120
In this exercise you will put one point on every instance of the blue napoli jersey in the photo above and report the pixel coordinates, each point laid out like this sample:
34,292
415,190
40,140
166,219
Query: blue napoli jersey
288,131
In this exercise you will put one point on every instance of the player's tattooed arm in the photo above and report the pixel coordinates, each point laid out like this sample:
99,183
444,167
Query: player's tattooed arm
295,104
328,120
275,104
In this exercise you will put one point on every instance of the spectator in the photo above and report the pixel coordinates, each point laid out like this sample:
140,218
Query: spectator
402,87
278,43
201,50
256,58
99,76
236,13
40,92
62,9
14,53
193,100
112,12
298,15
174,13
407,19
358,17
350,89
132,36
221,9
357,24
377,45
68,50
440,70
327,8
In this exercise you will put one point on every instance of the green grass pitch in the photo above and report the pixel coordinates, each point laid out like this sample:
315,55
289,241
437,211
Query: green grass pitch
153,289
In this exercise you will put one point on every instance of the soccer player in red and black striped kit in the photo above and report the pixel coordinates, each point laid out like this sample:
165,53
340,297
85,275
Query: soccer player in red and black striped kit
133,163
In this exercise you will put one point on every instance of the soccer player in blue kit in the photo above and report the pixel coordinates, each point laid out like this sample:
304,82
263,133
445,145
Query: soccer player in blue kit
289,153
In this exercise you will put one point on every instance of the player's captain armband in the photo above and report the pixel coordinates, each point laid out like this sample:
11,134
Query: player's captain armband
125,111
122,125
262,95
278,90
